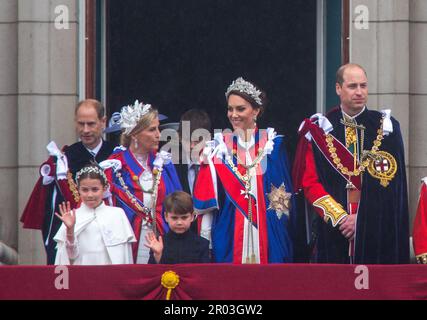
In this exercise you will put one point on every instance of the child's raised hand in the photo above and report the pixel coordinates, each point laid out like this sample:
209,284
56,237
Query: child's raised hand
153,243
68,216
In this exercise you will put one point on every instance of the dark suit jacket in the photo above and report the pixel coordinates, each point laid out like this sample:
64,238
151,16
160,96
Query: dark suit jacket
183,248
78,156
182,171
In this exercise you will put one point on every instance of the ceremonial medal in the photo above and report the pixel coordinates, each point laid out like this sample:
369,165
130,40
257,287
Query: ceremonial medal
279,200
384,168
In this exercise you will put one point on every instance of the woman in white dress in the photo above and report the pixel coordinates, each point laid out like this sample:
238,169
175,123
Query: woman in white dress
94,234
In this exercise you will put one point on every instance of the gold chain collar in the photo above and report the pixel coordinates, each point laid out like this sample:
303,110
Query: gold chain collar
364,163
245,178
133,199
73,187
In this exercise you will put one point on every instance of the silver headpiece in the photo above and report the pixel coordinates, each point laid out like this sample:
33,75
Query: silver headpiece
244,86
91,169
130,116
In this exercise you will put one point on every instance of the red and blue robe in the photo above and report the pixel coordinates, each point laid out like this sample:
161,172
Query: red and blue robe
381,231
219,191
131,169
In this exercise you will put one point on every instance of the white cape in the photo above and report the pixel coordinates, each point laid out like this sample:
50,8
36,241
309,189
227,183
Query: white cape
116,235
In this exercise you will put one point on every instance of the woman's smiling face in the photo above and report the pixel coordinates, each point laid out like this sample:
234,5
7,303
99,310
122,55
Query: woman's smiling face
241,113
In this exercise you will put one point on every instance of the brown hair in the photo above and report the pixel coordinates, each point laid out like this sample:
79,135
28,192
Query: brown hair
144,122
92,171
248,98
100,110
178,202
340,72
198,119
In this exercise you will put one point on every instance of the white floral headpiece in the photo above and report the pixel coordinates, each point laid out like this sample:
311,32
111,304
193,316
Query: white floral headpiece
91,169
244,86
130,116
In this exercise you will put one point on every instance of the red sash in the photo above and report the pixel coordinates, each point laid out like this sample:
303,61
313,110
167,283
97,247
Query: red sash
319,138
235,188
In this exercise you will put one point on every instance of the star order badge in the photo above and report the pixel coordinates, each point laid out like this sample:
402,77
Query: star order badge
280,200
384,168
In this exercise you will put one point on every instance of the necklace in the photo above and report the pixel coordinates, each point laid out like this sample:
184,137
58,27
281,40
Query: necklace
142,209
245,178
146,175
364,162
148,214
255,163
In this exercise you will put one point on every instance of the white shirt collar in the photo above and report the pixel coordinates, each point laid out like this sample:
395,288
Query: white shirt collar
246,144
355,116
96,149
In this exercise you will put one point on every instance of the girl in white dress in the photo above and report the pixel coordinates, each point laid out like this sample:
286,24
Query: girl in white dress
94,234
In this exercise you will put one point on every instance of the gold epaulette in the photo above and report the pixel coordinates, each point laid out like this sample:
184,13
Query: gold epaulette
422,258
331,209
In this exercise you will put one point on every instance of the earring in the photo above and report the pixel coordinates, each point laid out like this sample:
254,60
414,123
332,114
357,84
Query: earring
135,144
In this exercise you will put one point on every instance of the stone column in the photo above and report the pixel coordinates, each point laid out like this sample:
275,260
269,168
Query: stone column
382,49
8,125
47,94
418,99
397,75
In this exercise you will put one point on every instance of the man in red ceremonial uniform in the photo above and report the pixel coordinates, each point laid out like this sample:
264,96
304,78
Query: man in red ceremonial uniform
56,183
420,226
350,165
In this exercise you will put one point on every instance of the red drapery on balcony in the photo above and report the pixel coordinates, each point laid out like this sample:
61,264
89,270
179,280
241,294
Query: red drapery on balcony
216,282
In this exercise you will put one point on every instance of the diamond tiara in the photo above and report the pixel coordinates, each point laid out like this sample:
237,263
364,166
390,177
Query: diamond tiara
130,116
91,169
244,86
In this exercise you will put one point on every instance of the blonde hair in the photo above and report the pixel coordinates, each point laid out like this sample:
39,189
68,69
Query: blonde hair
126,139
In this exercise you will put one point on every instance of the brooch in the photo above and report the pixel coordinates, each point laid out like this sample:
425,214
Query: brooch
280,200
384,168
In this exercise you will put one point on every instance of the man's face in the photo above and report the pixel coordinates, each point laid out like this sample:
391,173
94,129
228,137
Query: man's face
88,126
354,91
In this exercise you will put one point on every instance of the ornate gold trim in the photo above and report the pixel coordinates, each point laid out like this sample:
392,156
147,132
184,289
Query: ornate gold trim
387,175
365,163
331,209
73,187
422,258
170,280
280,200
